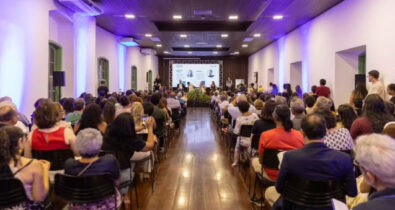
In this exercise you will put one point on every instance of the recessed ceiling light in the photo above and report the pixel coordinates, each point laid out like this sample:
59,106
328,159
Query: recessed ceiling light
177,17
186,46
159,45
148,35
257,35
244,45
277,17
219,46
189,52
183,35
215,52
129,16
166,52
233,17
224,35
235,53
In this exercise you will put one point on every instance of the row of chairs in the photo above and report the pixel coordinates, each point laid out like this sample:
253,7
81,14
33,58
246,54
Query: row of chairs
299,191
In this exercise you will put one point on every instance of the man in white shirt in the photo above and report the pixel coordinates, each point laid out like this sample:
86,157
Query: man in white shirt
377,87
172,102
223,103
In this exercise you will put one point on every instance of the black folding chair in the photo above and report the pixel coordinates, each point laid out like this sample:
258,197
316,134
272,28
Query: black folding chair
85,189
312,194
12,193
270,160
56,157
176,117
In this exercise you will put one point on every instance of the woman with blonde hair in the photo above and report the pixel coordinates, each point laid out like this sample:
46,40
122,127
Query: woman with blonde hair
138,113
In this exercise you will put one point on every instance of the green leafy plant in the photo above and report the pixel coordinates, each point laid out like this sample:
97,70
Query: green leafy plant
200,97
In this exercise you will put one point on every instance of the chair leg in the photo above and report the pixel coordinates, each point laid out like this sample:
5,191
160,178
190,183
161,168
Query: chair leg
137,200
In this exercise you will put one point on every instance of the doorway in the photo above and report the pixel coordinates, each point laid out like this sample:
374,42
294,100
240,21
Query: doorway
149,74
270,77
134,78
348,63
55,64
103,71
296,74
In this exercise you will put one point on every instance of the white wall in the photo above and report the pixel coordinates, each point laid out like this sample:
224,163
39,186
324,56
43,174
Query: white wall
350,24
144,63
24,51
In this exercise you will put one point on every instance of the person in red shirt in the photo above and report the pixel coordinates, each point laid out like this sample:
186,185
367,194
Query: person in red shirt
283,138
323,90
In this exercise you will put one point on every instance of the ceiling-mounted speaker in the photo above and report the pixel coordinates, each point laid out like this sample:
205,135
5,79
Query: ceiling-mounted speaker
59,78
83,7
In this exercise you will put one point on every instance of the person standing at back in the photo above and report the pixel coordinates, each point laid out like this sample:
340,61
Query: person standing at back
377,87
102,90
323,90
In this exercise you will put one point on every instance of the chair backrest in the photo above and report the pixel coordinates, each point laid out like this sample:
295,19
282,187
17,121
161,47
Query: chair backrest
175,114
255,141
56,157
313,194
143,136
84,189
12,193
270,159
245,130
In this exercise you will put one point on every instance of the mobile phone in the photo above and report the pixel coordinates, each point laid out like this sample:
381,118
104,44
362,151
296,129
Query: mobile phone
145,118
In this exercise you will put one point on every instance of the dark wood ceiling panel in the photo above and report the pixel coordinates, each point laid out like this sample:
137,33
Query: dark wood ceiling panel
202,25
201,49
205,34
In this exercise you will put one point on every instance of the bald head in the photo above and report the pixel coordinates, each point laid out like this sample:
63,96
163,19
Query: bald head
314,127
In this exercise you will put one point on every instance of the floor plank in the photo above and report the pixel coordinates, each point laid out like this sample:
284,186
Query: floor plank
197,173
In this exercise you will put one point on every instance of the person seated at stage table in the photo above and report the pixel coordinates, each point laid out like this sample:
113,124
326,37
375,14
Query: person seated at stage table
213,87
180,86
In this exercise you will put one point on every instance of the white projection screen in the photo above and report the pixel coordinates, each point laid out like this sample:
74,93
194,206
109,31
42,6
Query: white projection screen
195,73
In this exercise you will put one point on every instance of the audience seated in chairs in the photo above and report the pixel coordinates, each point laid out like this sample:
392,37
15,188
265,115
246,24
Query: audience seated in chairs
246,118
297,109
74,117
160,120
32,173
374,117
91,118
375,155
336,138
88,144
283,137
264,124
122,141
51,140
142,133
311,176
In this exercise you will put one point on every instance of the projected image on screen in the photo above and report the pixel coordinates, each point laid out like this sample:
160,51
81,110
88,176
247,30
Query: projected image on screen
195,73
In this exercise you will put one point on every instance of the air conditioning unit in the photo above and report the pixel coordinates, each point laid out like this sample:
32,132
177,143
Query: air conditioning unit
84,7
147,51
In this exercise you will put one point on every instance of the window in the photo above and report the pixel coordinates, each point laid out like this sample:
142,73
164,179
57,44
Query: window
55,64
102,71
134,78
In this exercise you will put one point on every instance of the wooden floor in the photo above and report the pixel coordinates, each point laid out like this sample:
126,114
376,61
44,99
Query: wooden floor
197,172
